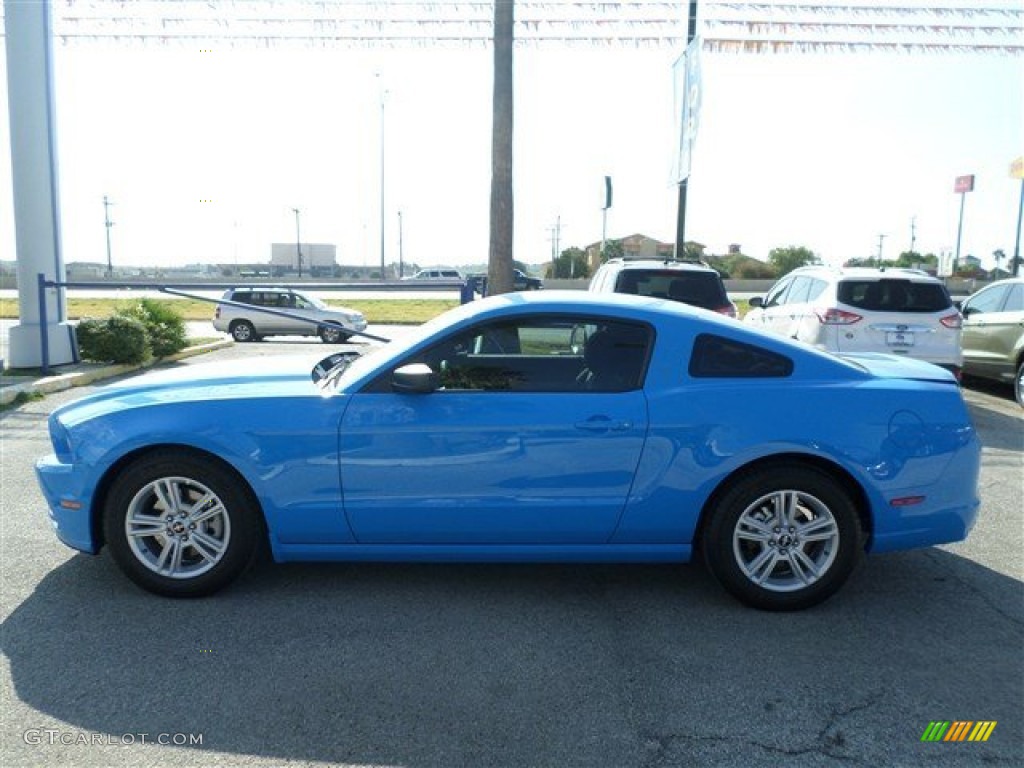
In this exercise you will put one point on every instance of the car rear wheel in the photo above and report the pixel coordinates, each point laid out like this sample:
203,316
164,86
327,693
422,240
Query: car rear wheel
243,330
783,538
333,334
180,526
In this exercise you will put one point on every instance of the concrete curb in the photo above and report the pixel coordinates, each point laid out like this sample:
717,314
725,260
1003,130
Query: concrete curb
60,382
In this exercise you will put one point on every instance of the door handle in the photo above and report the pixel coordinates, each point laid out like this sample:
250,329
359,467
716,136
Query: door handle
603,424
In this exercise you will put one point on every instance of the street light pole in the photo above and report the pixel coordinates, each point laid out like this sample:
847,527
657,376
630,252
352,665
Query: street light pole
680,249
401,263
298,241
383,93
108,224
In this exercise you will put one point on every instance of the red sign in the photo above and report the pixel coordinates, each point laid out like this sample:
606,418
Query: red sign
964,184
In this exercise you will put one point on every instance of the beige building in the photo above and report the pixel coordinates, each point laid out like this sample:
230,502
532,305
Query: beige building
315,256
633,247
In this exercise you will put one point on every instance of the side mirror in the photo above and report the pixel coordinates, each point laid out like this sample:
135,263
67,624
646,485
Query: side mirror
329,363
414,379
756,301
578,339
968,311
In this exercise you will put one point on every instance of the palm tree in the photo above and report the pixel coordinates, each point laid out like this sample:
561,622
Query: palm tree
499,265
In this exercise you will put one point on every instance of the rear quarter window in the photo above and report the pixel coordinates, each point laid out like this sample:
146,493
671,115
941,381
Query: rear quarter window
718,357
894,295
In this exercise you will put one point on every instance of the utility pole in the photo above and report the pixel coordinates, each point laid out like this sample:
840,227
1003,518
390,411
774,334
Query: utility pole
298,241
556,236
880,239
108,224
913,233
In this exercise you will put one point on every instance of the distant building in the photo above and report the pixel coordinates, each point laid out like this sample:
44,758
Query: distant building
633,247
317,258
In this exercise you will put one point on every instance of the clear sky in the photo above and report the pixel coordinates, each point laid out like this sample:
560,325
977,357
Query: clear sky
206,153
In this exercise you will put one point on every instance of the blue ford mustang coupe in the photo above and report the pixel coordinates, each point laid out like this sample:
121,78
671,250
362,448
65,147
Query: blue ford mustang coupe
552,426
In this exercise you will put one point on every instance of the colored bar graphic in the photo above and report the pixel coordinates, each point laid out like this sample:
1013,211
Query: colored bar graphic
958,730
936,730
982,731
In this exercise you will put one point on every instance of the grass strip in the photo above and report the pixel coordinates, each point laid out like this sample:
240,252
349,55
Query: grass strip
379,311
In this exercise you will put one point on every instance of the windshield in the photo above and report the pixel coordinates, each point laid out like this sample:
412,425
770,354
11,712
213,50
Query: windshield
379,357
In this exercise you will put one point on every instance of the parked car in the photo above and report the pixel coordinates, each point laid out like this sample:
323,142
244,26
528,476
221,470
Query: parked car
520,282
290,313
437,274
687,281
523,281
993,334
898,311
541,426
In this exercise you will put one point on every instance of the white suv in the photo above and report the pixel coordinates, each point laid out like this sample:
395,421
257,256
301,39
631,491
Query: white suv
847,311
287,308
437,274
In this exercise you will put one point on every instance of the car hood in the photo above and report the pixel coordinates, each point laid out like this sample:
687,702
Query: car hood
884,366
240,379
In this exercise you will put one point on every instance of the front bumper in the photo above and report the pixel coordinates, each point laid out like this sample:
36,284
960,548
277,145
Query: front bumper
69,507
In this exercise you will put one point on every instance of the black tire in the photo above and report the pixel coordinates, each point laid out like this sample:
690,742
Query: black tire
205,546
1018,385
770,565
332,334
243,331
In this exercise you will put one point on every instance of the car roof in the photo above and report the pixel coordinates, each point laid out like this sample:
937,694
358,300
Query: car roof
866,273
591,301
679,264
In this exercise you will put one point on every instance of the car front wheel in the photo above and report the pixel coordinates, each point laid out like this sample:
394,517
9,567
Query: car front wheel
1018,389
783,538
180,526
243,330
333,334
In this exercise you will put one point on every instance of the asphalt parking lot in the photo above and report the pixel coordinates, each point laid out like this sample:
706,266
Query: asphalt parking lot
500,665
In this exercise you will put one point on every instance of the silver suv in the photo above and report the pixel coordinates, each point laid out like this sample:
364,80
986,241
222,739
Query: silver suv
291,313
686,281
848,311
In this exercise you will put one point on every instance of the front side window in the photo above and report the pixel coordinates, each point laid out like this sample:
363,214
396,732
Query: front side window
799,292
1015,301
987,301
776,294
539,354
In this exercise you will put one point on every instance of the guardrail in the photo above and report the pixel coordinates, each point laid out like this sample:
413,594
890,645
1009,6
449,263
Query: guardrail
465,289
